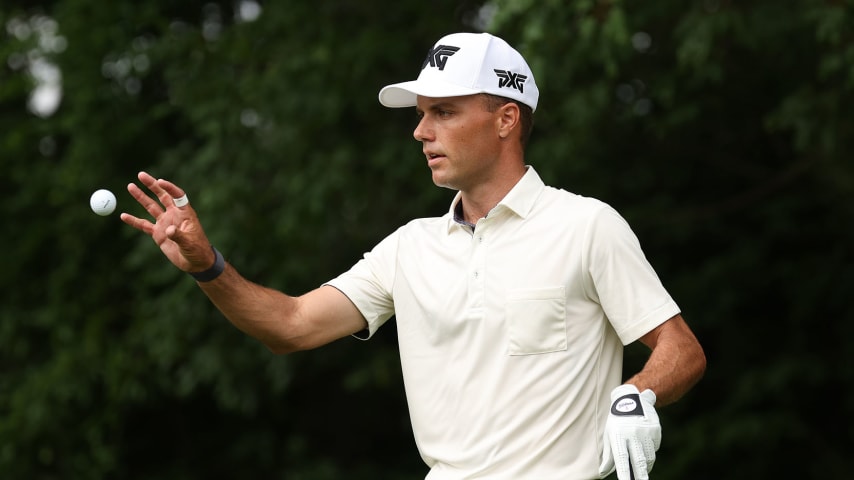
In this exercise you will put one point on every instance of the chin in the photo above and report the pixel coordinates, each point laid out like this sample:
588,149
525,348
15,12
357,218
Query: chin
440,181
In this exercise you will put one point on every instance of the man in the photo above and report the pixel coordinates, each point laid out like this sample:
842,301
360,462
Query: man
512,309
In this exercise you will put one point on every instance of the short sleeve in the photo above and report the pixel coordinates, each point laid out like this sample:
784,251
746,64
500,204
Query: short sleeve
621,278
368,284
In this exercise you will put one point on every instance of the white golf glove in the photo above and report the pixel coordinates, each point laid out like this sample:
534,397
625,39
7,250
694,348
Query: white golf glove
632,434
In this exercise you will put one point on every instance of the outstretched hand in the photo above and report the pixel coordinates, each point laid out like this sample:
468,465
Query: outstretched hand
176,229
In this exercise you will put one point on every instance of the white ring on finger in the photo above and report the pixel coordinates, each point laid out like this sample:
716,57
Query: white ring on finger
181,201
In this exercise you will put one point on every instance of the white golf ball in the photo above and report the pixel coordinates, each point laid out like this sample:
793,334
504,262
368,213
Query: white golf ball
103,202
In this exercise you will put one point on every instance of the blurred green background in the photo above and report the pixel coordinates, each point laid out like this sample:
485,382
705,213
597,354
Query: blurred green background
722,130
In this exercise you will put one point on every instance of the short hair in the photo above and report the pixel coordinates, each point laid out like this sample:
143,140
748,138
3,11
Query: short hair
526,117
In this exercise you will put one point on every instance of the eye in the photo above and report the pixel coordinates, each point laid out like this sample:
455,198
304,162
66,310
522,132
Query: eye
444,113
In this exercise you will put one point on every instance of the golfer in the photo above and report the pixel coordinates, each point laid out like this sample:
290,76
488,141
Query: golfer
512,309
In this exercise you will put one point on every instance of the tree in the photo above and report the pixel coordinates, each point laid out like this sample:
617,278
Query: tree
718,129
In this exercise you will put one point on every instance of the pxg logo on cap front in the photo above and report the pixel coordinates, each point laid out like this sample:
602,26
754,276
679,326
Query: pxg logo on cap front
627,405
438,57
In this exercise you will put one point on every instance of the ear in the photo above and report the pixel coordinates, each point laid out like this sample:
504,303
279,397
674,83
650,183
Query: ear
508,118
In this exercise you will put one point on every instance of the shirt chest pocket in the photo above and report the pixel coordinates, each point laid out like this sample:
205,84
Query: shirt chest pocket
536,320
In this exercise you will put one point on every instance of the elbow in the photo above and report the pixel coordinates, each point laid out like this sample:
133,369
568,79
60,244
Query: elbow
280,346
699,364
702,365
285,336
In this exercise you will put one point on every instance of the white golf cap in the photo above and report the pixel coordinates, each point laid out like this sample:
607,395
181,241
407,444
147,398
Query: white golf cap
466,64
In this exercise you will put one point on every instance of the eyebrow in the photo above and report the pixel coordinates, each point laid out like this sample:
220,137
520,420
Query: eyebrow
444,104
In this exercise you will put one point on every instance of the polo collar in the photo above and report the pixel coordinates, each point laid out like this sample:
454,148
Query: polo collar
519,200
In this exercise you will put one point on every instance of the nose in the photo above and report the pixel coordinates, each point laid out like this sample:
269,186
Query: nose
422,131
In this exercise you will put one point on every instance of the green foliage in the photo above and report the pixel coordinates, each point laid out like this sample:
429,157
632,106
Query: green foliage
720,130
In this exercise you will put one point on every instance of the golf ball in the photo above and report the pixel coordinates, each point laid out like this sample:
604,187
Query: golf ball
103,202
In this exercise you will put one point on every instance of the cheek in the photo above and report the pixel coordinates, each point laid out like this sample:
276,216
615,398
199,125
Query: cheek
481,141
473,135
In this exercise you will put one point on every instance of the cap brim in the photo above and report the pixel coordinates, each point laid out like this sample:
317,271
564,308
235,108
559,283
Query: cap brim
405,94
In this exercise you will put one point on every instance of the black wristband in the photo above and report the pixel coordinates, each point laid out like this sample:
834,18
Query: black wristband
214,271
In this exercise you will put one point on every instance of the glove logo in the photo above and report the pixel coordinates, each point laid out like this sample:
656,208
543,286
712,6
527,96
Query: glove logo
627,405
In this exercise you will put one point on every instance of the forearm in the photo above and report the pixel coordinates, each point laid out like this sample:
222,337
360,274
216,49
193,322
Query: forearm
676,364
284,323
260,312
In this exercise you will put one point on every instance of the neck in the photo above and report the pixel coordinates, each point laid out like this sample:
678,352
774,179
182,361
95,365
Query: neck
479,200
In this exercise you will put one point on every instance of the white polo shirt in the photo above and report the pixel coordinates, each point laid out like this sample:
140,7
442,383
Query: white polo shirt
511,335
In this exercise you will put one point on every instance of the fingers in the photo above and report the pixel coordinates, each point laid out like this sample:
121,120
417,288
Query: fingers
618,455
170,188
623,467
168,194
153,208
154,185
165,191
638,462
179,198
150,183
607,465
138,223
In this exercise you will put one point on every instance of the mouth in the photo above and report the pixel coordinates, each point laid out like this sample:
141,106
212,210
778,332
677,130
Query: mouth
432,158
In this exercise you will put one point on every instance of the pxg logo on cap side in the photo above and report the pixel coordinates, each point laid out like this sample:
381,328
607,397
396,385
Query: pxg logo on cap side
438,57
506,78
627,405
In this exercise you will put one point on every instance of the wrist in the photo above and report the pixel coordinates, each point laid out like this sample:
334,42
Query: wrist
214,271
622,390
